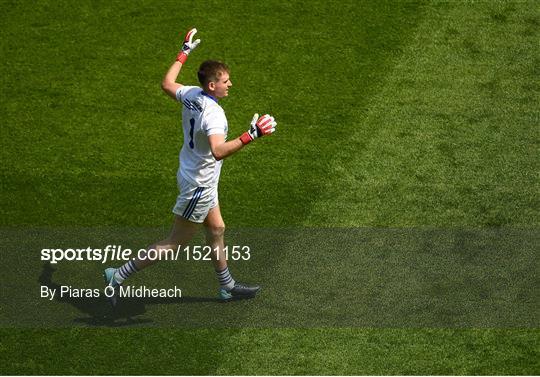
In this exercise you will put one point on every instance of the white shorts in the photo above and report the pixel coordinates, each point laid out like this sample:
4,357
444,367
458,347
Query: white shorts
193,202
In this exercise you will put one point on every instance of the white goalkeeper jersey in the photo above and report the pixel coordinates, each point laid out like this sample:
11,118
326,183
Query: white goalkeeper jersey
201,117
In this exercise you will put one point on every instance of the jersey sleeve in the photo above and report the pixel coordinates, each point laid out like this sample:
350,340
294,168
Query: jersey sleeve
184,91
215,123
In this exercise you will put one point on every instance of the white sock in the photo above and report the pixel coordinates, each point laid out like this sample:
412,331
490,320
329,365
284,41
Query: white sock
125,271
225,279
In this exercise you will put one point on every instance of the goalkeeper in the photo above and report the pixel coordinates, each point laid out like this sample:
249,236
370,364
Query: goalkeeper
205,146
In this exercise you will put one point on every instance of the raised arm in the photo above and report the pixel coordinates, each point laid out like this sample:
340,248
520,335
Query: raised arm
169,84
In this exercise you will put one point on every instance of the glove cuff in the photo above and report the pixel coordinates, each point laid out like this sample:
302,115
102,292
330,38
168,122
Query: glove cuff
245,138
181,57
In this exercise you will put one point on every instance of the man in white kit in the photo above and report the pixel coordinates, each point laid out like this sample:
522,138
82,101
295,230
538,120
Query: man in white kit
205,146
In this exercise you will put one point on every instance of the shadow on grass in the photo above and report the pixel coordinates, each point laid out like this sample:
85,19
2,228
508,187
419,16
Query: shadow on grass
101,313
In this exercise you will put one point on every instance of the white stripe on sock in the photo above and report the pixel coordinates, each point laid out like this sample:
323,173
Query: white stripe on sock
225,279
125,271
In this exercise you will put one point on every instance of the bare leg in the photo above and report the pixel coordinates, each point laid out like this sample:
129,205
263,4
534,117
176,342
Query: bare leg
182,232
215,230
229,288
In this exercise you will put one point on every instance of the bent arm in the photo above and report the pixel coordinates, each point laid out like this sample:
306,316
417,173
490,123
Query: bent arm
221,148
169,84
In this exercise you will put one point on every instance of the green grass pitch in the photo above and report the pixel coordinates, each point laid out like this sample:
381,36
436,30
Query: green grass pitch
391,114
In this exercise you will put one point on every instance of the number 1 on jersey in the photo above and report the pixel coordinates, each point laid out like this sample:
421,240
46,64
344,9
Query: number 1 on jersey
192,123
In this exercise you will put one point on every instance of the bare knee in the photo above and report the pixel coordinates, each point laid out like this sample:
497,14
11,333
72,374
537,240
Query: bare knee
215,231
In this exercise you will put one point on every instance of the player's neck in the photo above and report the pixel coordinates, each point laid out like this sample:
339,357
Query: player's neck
210,95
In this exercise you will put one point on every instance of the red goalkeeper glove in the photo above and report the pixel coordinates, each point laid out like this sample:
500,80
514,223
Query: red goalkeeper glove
188,46
260,127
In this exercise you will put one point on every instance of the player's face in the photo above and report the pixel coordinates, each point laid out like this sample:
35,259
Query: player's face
222,86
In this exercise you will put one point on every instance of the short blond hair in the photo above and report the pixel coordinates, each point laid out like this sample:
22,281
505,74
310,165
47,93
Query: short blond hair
211,71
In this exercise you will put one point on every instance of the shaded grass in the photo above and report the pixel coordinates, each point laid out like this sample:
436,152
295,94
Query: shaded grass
383,278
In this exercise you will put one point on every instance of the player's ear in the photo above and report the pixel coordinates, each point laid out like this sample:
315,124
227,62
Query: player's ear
212,85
